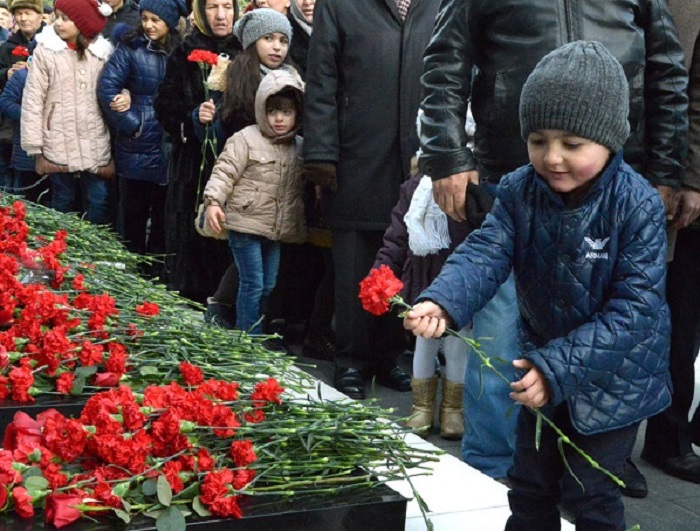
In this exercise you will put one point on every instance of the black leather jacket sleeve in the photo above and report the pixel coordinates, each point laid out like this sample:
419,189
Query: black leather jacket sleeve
446,80
692,176
665,99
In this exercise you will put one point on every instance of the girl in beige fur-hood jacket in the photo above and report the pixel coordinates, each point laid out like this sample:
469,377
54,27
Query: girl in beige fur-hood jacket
61,123
257,178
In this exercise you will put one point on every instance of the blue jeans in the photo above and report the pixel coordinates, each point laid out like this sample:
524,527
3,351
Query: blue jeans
93,189
258,261
488,442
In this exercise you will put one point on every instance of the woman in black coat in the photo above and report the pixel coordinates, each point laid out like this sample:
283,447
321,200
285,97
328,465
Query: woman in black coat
194,264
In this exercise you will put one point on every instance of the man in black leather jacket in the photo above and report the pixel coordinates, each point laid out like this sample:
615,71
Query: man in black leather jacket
483,51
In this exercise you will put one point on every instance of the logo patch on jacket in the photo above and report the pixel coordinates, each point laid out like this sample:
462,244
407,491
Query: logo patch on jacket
596,248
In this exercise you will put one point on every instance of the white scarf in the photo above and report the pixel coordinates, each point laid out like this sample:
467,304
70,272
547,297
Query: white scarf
425,222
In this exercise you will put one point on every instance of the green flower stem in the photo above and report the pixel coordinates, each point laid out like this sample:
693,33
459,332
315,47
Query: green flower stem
486,362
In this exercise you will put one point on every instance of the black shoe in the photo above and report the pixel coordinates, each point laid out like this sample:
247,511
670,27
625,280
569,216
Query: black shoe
635,483
276,344
221,315
349,382
318,346
394,378
685,467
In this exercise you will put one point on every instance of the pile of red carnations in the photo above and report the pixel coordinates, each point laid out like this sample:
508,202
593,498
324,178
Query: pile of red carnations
130,452
180,417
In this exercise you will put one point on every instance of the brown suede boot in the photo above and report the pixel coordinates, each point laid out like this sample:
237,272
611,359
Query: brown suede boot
451,410
423,409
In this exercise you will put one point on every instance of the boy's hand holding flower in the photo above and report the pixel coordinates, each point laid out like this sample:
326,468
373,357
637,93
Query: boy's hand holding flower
215,217
426,319
532,390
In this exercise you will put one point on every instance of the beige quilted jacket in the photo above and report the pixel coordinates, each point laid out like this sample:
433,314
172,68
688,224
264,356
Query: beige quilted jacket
61,118
257,178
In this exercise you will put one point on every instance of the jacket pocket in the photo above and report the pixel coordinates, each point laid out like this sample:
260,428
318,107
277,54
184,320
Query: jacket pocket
263,164
49,118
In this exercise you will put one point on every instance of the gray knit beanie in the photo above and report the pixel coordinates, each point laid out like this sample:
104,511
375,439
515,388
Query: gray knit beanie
580,88
259,22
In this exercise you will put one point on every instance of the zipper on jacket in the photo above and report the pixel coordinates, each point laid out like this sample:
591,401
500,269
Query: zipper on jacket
569,21
48,120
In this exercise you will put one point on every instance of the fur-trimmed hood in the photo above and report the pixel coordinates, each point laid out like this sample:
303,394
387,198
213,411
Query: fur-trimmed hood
99,47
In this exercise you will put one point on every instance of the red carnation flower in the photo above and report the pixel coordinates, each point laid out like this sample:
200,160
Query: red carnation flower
191,373
148,308
203,56
243,453
61,509
20,51
378,288
23,502
64,383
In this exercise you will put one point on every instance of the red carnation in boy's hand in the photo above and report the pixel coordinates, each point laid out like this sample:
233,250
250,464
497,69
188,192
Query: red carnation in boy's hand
203,56
377,288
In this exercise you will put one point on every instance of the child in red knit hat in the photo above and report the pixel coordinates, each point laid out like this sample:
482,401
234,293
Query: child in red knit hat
61,120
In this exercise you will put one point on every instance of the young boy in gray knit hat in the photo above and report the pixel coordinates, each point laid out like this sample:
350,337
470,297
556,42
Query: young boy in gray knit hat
586,238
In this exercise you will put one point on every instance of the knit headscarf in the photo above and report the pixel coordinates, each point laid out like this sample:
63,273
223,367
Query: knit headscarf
199,12
296,12
89,16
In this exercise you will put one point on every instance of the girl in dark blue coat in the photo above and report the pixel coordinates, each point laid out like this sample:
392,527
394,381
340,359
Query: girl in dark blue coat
138,65
586,238
26,182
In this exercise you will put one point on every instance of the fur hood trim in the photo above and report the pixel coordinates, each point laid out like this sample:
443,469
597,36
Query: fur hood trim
100,47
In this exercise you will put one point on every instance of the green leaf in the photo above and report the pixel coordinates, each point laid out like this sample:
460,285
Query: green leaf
123,515
85,372
165,493
155,514
33,471
148,370
149,487
190,492
34,483
199,507
171,520
77,387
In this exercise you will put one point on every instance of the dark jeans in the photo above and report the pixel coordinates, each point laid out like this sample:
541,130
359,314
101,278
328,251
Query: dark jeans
5,168
141,201
93,190
361,339
258,260
669,433
539,477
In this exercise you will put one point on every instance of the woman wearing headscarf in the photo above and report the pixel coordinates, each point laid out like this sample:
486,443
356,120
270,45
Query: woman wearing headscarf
301,17
194,265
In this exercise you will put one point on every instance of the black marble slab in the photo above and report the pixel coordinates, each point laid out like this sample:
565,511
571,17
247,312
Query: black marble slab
376,509
67,406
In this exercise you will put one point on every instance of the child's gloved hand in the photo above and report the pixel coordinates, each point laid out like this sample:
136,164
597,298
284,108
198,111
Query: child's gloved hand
215,217
426,319
532,390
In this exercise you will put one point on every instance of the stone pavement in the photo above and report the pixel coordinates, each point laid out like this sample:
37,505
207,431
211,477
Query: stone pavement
672,504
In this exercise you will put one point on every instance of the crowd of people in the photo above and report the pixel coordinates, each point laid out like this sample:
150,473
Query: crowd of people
264,154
